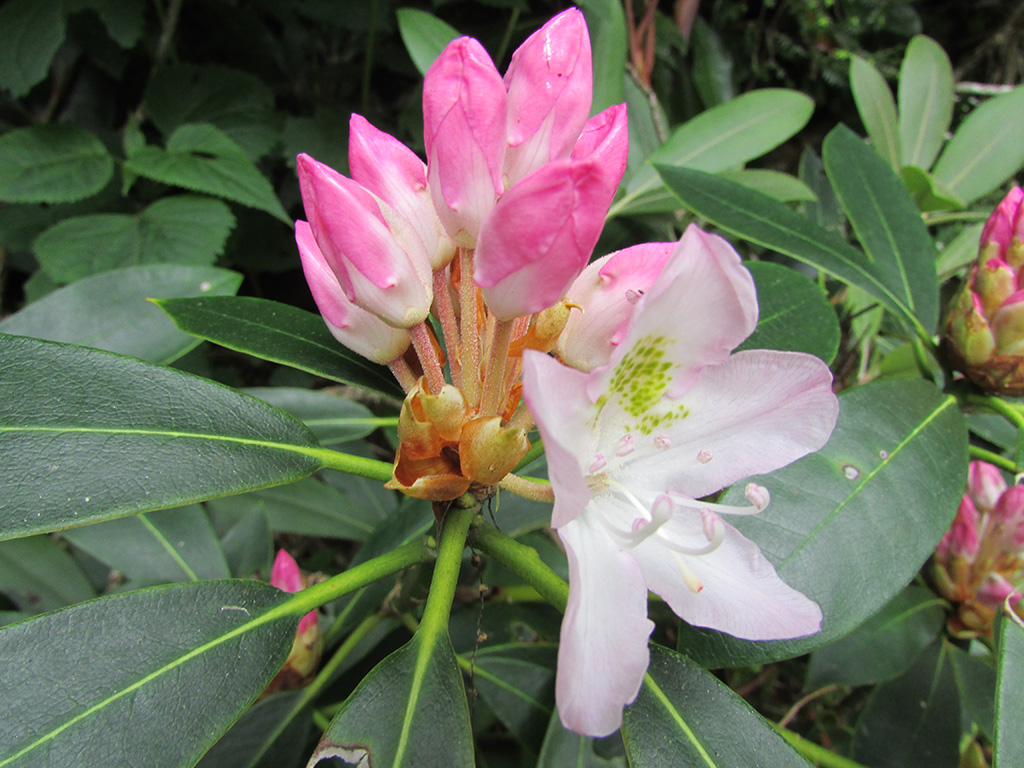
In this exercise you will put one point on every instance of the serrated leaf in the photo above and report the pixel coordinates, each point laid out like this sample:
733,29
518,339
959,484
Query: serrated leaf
900,251
221,642
795,314
926,101
764,221
831,530
719,139
185,229
110,311
30,34
424,35
53,163
685,716
90,435
38,575
1009,738
202,158
877,110
986,149
279,333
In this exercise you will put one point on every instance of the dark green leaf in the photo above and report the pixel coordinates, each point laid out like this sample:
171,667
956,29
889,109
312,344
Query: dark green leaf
30,34
333,418
145,678
685,716
110,311
1009,737
976,684
607,24
279,333
764,221
246,745
54,163
775,184
883,647
186,229
926,101
564,748
824,209
712,65
795,314
927,191
517,681
877,109
89,435
913,721
887,222
424,35
38,575
124,19
248,544
831,529
202,158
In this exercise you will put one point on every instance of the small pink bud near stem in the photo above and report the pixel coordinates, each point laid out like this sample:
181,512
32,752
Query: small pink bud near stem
308,643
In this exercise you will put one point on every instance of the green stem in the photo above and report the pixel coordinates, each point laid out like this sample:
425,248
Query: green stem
998,405
524,562
354,465
446,572
816,753
994,458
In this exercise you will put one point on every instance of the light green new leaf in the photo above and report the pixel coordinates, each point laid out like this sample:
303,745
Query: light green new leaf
986,148
38,575
89,435
927,191
722,138
926,101
110,311
1009,737
831,529
202,158
186,229
776,184
30,34
53,163
280,333
888,224
424,35
759,219
606,22
685,716
168,670
877,109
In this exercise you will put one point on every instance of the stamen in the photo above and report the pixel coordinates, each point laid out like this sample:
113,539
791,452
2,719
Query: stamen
692,582
597,464
704,456
662,441
626,446
757,495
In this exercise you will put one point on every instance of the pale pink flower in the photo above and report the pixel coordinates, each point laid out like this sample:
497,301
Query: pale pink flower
632,446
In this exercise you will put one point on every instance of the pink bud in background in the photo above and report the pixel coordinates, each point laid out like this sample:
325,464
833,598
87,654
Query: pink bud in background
961,540
550,85
464,130
1005,223
361,331
308,644
606,293
393,172
379,260
286,576
995,589
985,484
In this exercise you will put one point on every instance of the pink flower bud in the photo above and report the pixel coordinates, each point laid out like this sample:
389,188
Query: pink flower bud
464,130
539,237
390,170
961,540
1009,510
1007,325
379,261
308,643
361,331
995,589
1005,223
607,293
550,85
605,138
286,576
985,484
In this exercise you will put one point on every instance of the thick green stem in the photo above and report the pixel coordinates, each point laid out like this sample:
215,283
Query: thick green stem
354,465
816,753
446,572
524,562
994,458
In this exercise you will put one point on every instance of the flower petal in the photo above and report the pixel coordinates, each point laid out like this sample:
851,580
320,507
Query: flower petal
741,595
603,651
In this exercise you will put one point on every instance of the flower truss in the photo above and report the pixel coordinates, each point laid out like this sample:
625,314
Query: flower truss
624,365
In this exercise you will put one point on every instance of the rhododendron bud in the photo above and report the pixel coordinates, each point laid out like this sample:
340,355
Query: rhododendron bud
390,170
307,646
607,293
985,484
465,134
550,85
379,260
361,331
605,139
984,333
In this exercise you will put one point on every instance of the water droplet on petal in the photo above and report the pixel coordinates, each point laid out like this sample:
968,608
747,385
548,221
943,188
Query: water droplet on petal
851,472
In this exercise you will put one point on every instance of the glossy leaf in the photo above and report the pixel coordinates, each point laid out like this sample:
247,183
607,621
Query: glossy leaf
202,158
795,314
851,525
685,716
424,35
221,642
563,748
279,333
38,575
168,545
764,221
89,435
31,32
883,647
52,163
245,744
1009,738
775,184
333,418
913,721
110,311
926,101
517,681
877,110
887,223
248,544
718,139
184,229
606,22
986,149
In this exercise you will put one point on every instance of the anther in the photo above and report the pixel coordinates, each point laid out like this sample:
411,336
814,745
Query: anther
625,446
757,495
662,441
704,456
597,464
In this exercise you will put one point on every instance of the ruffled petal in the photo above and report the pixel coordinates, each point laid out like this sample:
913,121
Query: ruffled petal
603,652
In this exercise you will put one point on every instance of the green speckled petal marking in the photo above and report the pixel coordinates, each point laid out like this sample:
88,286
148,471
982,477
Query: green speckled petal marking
638,385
